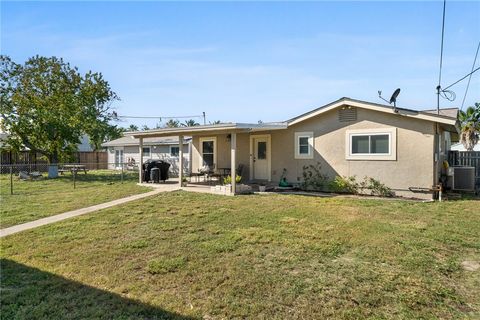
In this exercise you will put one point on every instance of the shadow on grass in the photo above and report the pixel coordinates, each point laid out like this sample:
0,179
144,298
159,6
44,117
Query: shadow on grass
29,293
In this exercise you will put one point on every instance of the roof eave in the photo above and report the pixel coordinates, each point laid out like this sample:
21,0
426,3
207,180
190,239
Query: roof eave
372,106
197,130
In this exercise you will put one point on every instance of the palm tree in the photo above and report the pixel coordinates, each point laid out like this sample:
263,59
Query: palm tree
132,127
215,122
190,123
470,126
172,123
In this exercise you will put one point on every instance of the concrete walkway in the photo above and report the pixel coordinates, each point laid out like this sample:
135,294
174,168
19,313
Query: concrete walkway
78,212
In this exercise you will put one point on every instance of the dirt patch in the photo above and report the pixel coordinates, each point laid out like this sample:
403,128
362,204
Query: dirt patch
471,265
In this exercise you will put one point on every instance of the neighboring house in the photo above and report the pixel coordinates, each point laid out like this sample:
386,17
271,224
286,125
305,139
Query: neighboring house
459,147
84,145
403,148
126,150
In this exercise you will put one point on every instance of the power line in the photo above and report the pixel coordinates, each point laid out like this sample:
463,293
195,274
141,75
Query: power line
468,74
441,58
160,117
470,78
441,45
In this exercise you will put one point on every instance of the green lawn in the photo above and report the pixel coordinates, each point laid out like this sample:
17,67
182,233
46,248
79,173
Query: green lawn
197,256
41,198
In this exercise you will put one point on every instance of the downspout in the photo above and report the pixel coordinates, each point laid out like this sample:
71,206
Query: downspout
436,155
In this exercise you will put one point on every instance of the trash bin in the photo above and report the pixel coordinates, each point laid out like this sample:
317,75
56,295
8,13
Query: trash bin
147,166
164,167
155,175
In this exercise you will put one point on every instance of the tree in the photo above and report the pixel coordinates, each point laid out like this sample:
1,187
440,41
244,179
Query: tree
190,123
172,123
46,105
470,126
145,127
215,122
132,127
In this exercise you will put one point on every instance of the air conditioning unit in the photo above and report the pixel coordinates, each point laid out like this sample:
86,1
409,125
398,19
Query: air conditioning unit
463,178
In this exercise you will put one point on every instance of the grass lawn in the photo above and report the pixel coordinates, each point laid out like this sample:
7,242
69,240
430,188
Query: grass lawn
198,256
41,198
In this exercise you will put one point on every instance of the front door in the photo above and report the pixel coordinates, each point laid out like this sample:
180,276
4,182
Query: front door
260,158
118,158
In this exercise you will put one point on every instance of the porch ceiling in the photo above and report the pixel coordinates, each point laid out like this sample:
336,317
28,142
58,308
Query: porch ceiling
208,129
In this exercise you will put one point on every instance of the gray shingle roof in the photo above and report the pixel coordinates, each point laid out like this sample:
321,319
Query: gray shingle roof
130,141
447,112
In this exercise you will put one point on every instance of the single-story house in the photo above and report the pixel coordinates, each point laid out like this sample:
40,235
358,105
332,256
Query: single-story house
460,147
402,148
126,150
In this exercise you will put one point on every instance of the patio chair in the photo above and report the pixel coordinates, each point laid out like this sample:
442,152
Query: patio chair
214,174
202,172
36,175
23,175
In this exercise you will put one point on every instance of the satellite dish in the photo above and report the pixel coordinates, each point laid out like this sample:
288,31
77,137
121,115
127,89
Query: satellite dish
393,99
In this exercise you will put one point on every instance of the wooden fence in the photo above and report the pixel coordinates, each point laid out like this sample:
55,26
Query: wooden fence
467,159
26,160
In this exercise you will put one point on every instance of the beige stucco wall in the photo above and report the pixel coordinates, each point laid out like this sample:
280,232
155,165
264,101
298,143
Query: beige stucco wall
224,152
413,167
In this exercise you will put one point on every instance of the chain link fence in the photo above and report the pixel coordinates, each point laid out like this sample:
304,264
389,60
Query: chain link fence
15,178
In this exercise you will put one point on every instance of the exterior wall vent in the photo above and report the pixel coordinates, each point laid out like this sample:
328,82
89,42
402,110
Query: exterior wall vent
347,114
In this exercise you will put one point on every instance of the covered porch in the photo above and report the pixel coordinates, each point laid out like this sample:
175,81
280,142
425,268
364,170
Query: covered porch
220,152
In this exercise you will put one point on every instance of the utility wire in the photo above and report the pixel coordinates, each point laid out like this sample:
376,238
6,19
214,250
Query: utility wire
468,74
441,45
470,78
160,117
439,87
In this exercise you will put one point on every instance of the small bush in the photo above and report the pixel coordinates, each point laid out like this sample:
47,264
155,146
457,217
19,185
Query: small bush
313,179
350,185
162,266
377,188
345,185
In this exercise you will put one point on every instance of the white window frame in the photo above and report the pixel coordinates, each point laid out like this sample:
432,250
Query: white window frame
171,153
116,164
392,144
200,147
311,146
149,151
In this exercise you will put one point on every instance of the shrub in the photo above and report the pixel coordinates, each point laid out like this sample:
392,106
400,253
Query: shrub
350,185
345,185
228,179
377,188
313,179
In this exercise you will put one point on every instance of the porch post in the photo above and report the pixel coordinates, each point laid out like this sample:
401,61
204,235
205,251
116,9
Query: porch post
180,160
233,165
140,165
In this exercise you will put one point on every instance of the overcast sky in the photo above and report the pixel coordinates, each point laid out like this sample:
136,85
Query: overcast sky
245,62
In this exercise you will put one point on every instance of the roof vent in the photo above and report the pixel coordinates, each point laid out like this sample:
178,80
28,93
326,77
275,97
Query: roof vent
347,114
